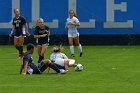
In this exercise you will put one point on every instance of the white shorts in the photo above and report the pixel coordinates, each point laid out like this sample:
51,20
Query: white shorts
60,61
73,35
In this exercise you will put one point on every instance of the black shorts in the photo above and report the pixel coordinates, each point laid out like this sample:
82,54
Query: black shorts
42,43
18,33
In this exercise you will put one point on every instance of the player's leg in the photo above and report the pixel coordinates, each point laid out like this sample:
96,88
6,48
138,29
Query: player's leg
71,46
16,42
66,64
42,52
20,43
76,40
48,63
39,48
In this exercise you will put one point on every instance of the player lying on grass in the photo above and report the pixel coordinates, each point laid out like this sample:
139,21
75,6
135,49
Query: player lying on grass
60,59
29,67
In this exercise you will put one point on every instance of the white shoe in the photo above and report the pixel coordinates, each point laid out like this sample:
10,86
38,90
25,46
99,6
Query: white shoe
62,71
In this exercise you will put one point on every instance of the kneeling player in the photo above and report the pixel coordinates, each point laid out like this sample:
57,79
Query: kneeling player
30,68
60,59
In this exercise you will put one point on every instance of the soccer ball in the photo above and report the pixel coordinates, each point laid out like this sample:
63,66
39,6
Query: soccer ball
79,67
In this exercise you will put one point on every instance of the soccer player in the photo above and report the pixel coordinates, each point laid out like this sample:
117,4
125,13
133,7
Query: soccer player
41,33
29,67
73,35
19,26
60,59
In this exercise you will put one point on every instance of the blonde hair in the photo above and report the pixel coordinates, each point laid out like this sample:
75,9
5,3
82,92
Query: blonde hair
40,19
59,49
16,9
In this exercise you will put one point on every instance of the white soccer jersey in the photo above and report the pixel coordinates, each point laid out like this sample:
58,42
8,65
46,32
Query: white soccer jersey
58,58
72,28
55,56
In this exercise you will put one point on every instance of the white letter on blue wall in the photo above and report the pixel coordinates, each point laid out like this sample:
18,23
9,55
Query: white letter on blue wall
36,15
110,20
90,24
15,4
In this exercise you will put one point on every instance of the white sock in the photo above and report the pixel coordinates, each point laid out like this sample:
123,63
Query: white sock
80,48
72,49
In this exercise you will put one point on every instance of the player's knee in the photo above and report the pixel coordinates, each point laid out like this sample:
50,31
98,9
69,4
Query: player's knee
21,43
66,61
47,61
71,44
41,54
15,45
77,44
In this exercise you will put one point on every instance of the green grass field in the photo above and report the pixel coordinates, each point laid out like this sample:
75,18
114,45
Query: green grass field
107,69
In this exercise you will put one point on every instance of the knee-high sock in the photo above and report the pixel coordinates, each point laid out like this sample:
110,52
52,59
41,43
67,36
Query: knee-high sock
72,49
54,67
20,49
40,58
17,47
80,48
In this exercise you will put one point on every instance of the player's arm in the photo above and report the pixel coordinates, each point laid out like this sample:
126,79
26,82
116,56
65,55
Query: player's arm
25,67
13,28
66,64
76,22
26,26
36,33
38,36
47,30
26,29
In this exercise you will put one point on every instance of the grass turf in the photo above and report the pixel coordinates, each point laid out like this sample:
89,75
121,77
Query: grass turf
107,69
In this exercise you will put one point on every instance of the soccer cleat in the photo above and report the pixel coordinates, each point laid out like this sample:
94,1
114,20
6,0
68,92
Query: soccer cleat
81,54
72,55
19,57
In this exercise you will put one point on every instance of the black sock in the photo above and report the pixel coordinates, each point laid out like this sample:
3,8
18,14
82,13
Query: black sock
40,58
17,47
20,49
54,67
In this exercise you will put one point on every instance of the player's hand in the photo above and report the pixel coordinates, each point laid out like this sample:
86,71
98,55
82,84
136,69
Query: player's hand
10,34
27,33
44,35
46,31
66,70
71,23
24,73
